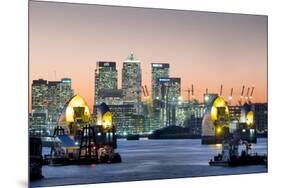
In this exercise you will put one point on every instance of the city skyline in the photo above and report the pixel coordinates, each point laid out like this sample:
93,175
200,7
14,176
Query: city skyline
70,44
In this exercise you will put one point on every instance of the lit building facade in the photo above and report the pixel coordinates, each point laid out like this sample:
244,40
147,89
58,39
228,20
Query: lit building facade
261,117
170,99
48,100
54,106
105,78
158,70
39,92
111,96
156,119
175,89
124,117
194,112
38,121
131,79
235,112
66,91
39,105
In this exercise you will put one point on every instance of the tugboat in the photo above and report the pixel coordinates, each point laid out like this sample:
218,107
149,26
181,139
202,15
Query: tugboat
230,156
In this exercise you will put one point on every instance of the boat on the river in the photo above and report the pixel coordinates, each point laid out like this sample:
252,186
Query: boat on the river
173,132
133,137
230,156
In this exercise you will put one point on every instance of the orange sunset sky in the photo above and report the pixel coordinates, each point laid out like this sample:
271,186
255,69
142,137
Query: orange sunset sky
204,49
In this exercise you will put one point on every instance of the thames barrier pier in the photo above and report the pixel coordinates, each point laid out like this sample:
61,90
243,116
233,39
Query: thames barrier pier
80,140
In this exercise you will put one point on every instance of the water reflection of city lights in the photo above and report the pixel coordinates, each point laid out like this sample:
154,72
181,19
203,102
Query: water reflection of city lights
216,146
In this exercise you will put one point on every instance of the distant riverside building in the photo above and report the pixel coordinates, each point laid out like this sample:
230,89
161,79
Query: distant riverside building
59,93
125,118
66,92
158,70
38,122
54,89
39,104
131,79
194,112
39,92
105,78
170,90
123,103
111,96
234,112
156,120
48,100
261,117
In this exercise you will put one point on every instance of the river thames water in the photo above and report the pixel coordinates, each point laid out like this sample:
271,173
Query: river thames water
149,159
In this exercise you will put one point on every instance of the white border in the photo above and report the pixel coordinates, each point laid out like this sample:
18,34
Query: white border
13,59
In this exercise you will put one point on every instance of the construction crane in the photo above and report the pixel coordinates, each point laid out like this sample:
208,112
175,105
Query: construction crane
188,92
247,95
143,91
251,95
241,96
146,90
231,96
221,90
192,92
147,98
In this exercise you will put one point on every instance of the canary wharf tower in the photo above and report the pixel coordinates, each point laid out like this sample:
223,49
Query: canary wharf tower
131,79
105,78
159,70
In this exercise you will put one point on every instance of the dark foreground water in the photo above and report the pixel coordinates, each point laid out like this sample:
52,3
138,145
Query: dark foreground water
150,159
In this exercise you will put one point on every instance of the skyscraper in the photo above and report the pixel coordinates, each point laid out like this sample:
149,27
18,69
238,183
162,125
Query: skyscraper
39,95
131,79
39,105
105,78
48,100
66,92
53,101
170,89
158,70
